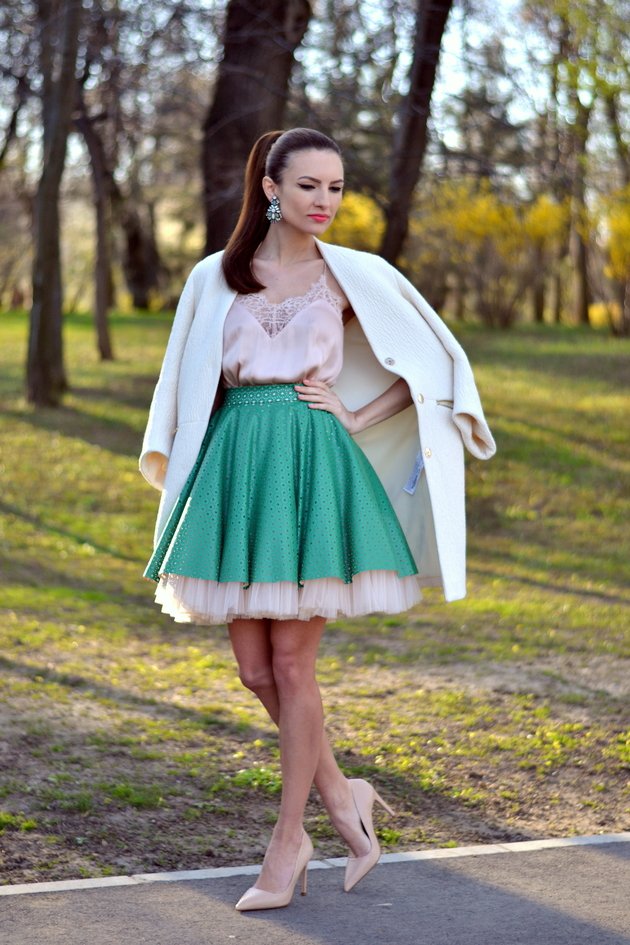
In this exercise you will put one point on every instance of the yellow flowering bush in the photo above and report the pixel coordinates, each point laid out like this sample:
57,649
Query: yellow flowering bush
613,237
617,229
484,246
545,221
359,224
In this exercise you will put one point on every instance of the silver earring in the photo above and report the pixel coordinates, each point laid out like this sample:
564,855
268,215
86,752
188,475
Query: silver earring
274,213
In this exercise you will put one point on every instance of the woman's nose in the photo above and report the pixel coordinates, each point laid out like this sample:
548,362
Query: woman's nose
321,197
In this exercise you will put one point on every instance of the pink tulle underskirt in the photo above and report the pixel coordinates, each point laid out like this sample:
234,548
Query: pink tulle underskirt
196,600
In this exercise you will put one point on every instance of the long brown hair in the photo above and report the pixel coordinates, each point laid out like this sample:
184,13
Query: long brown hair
269,158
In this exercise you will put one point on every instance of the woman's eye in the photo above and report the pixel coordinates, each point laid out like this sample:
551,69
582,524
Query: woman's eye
336,190
307,187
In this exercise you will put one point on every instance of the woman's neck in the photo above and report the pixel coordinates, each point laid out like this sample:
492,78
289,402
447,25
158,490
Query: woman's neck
286,247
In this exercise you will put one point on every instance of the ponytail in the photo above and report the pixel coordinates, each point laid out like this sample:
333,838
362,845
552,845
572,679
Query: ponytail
266,159
252,224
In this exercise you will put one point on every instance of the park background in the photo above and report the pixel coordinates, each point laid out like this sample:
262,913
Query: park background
486,149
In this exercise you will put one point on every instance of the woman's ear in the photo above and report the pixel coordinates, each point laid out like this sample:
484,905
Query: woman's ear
269,187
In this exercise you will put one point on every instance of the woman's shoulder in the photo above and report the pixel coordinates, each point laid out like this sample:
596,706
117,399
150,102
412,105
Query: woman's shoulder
358,255
207,267
358,259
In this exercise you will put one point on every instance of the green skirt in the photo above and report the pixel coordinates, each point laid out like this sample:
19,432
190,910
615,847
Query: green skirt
280,501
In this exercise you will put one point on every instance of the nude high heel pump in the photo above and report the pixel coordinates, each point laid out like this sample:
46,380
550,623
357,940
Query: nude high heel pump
256,898
358,866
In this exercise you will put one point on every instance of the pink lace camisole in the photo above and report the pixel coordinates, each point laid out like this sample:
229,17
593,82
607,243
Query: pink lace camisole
280,343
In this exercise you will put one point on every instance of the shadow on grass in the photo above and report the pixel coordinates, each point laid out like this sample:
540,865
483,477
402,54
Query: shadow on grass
11,382
29,573
548,436
428,815
544,447
411,800
116,436
548,586
611,370
38,522
138,396
555,351
422,810
75,682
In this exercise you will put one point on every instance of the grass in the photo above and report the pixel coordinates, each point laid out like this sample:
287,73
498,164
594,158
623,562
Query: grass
128,742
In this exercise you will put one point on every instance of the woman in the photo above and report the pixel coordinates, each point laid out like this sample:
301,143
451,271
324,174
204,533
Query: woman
272,520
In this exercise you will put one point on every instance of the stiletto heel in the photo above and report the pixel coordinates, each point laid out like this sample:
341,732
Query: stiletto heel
358,866
384,805
256,898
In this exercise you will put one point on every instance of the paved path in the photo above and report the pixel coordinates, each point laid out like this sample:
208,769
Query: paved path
566,892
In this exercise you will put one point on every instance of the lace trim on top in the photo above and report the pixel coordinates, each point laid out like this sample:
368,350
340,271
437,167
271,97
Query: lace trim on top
274,316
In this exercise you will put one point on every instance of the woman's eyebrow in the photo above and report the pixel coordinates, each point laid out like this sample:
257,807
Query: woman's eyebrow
316,180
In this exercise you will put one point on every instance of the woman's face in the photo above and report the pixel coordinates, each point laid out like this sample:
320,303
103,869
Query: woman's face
310,190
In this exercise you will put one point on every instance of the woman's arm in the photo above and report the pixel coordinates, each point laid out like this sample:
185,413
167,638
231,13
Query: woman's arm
387,404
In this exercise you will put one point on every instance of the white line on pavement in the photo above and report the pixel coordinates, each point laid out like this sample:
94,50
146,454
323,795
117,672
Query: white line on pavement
480,849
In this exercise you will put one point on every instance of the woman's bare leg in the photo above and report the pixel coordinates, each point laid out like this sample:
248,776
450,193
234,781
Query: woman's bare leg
253,645
294,645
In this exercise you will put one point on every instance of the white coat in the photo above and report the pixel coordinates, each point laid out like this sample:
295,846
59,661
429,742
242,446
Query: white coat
417,454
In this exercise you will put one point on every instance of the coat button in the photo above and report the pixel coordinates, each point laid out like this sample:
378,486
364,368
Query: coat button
428,453
420,398
389,361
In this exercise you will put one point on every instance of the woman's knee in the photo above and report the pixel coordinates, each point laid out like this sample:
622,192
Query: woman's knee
291,672
252,649
294,652
255,676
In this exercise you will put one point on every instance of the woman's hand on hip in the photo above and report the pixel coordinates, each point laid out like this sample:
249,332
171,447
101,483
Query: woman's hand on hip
320,397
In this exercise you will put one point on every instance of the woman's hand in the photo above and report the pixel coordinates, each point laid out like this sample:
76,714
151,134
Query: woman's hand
387,404
321,397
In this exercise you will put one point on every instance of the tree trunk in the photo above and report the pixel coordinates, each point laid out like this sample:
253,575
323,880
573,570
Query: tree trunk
624,325
460,297
557,298
581,290
103,278
141,260
103,281
45,374
611,102
249,99
558,170
538,302
10,134
578,239
578,140
411,138
538,286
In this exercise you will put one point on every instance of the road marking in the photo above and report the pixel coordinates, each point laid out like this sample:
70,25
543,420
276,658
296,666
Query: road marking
481,849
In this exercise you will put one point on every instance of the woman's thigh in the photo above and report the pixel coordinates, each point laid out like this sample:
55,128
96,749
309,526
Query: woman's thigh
294,647
251,645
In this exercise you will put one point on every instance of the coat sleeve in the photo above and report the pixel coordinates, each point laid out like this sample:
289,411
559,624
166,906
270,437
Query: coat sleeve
162,423
468,415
